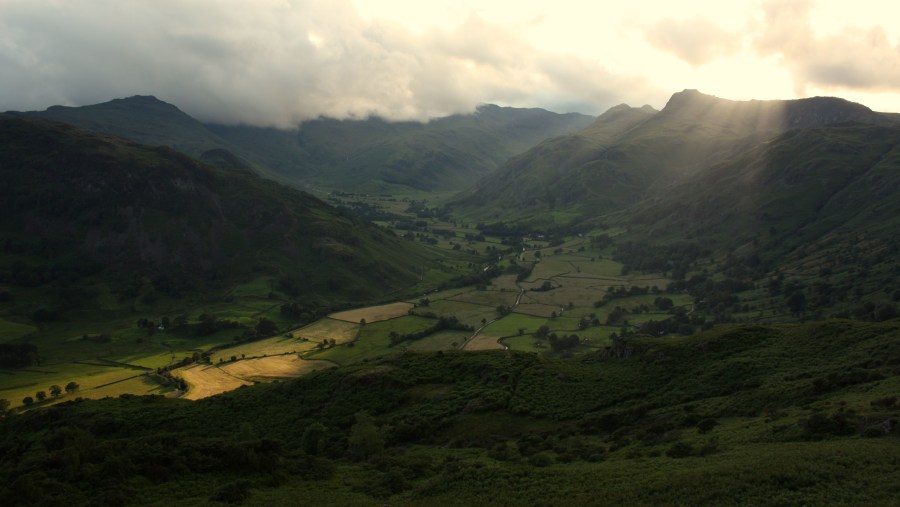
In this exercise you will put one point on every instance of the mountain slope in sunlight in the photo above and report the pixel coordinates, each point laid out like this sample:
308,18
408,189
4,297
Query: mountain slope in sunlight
691,133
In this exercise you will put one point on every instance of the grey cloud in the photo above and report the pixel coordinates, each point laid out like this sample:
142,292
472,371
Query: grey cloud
696,40
278,63
862,59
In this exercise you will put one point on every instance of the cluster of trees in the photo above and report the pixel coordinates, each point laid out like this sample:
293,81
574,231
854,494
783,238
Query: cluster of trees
676,258
18,355
621,292
617,314
561,343
210,324
557,343
718,297
480,278
303,312
55,391
546,286
672,325
872,311
587,321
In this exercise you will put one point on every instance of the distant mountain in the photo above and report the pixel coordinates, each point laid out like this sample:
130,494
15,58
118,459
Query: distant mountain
599,170
443,154
77,204
542,177
143,119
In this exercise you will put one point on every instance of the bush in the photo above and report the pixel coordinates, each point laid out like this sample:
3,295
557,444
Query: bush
541,459
233,492
680,450
706,425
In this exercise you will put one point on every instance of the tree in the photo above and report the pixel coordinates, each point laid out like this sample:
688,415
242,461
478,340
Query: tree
28,400
796,302
312,438
71,387
4,406
663,303
366,439
41,395
266,327
55,391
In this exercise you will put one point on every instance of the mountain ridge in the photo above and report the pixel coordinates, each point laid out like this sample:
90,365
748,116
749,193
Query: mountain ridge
691,132
445,153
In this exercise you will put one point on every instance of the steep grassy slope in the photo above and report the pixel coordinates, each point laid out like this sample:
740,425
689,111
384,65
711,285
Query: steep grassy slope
796,188
443,154
595,172
75,204
787,415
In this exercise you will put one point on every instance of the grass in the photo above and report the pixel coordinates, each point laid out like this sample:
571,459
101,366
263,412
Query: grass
17,384
374,313
484,342
273,367
328,329
489,298
267,347
442,340
373,340
510,325
205,380
525,343
467,313
13,330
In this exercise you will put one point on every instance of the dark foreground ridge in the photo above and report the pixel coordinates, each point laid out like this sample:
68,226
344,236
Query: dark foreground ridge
775,415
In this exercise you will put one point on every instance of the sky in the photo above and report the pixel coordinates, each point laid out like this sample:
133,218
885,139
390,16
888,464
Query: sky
279,62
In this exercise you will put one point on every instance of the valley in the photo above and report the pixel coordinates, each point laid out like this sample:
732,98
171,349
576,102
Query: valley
657,301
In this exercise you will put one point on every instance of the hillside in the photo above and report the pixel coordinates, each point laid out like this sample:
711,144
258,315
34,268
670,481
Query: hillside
370,155
76,205
804,185
775,415
610,172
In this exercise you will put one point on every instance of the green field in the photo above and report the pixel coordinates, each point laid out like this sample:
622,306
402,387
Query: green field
373,340
467,313
442,340
512,323
12,330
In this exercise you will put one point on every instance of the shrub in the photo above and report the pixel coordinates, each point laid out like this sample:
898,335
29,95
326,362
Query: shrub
541,459
680,450
233,492
706,425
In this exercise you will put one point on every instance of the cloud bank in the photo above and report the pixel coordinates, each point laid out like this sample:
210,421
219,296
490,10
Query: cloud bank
695,40
852,58
276,63
279,62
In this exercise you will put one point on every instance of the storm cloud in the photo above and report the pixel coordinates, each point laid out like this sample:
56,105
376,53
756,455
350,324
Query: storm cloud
276,63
